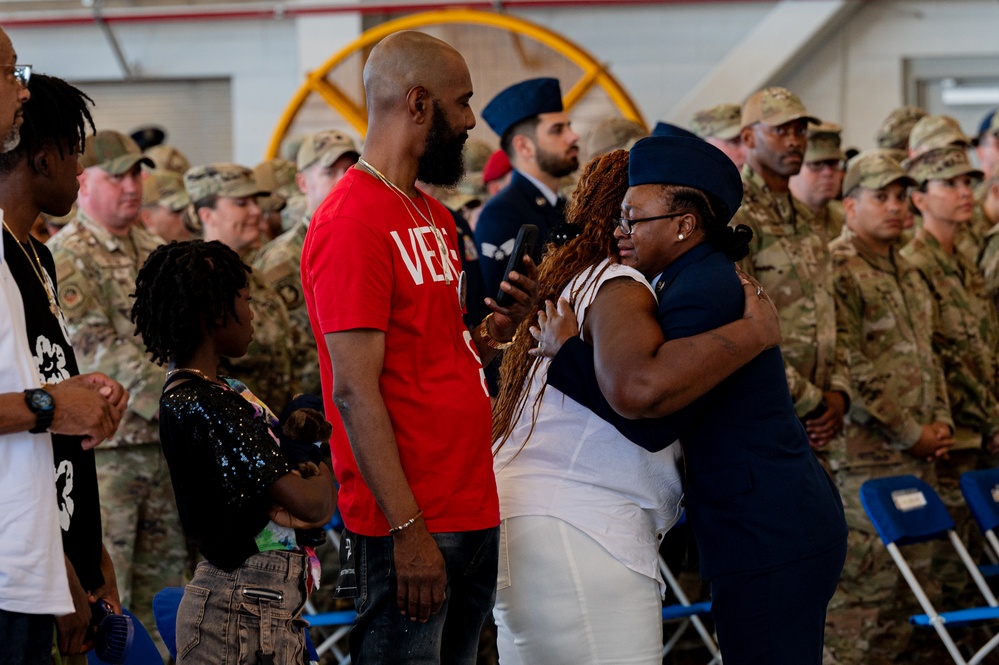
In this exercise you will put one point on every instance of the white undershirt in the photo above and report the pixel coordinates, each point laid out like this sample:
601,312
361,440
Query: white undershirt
32,568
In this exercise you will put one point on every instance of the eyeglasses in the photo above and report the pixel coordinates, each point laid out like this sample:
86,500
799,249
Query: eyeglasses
626,224
832,164
21,72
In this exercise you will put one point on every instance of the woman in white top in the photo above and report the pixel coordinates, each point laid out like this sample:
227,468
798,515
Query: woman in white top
582,508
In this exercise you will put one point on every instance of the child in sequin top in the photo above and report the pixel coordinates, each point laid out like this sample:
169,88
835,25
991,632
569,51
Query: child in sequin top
239,499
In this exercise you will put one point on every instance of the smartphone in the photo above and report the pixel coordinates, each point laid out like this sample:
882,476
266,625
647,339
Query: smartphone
524,244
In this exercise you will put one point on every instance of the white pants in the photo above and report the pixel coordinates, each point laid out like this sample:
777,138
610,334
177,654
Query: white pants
563,599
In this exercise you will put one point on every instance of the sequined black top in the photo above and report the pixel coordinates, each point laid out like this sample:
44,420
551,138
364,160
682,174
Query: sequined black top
222,460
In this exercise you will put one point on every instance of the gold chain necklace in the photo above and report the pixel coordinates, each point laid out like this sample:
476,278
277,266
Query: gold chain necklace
38,269
438,236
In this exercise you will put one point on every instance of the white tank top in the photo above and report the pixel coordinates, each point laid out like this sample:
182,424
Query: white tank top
577,467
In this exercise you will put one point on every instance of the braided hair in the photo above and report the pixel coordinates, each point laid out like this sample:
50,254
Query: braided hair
58,113
595,207
184,292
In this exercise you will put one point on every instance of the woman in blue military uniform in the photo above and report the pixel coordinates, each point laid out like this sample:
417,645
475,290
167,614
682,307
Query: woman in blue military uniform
767,518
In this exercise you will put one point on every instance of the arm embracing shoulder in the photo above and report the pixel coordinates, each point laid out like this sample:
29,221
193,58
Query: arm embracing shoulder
645,377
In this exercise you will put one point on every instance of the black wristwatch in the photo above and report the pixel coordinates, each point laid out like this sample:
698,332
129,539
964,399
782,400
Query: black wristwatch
43,406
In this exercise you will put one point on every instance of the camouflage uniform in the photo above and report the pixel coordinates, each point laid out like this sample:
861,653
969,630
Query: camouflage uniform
885,319
966,331
279,265
965,337
791,260
830,218
988,262
142,530
988,257
267,366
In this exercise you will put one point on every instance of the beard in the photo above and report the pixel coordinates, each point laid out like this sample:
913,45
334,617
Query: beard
441,163
555,166
12,139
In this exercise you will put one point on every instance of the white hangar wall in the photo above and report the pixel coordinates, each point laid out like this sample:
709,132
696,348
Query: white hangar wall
226,82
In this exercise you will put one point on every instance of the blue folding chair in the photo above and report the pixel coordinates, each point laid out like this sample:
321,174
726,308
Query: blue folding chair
165,604
981,493
342,622
905,511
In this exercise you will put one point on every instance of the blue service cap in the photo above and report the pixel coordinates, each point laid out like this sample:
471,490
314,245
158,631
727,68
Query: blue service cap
522,101
666,129
691,162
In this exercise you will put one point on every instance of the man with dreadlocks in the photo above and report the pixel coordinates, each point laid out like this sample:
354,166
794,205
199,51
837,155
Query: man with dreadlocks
97,257
39,175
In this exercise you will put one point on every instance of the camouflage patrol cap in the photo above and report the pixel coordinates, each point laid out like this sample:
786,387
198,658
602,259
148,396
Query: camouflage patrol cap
894,131
113,152
324,147
222,179
165,188
824,143
941,164
936,131
722,121
874,169
615,133
774,106
168,157
276,176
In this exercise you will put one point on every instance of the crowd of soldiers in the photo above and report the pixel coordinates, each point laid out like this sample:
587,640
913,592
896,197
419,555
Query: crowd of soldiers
884,270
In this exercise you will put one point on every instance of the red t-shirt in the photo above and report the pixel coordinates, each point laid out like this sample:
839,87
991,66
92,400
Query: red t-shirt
370,261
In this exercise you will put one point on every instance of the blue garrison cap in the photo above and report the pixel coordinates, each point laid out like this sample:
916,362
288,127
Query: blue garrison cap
666,129
985,125
691,162
522,101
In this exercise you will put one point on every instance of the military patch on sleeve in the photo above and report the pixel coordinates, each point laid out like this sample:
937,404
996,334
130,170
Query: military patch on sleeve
290,292
70,296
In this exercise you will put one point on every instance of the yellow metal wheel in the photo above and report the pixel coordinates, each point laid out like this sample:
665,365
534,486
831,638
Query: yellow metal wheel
500,50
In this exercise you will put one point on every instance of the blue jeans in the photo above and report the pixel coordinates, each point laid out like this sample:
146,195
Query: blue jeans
230,618
451,636
26,639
